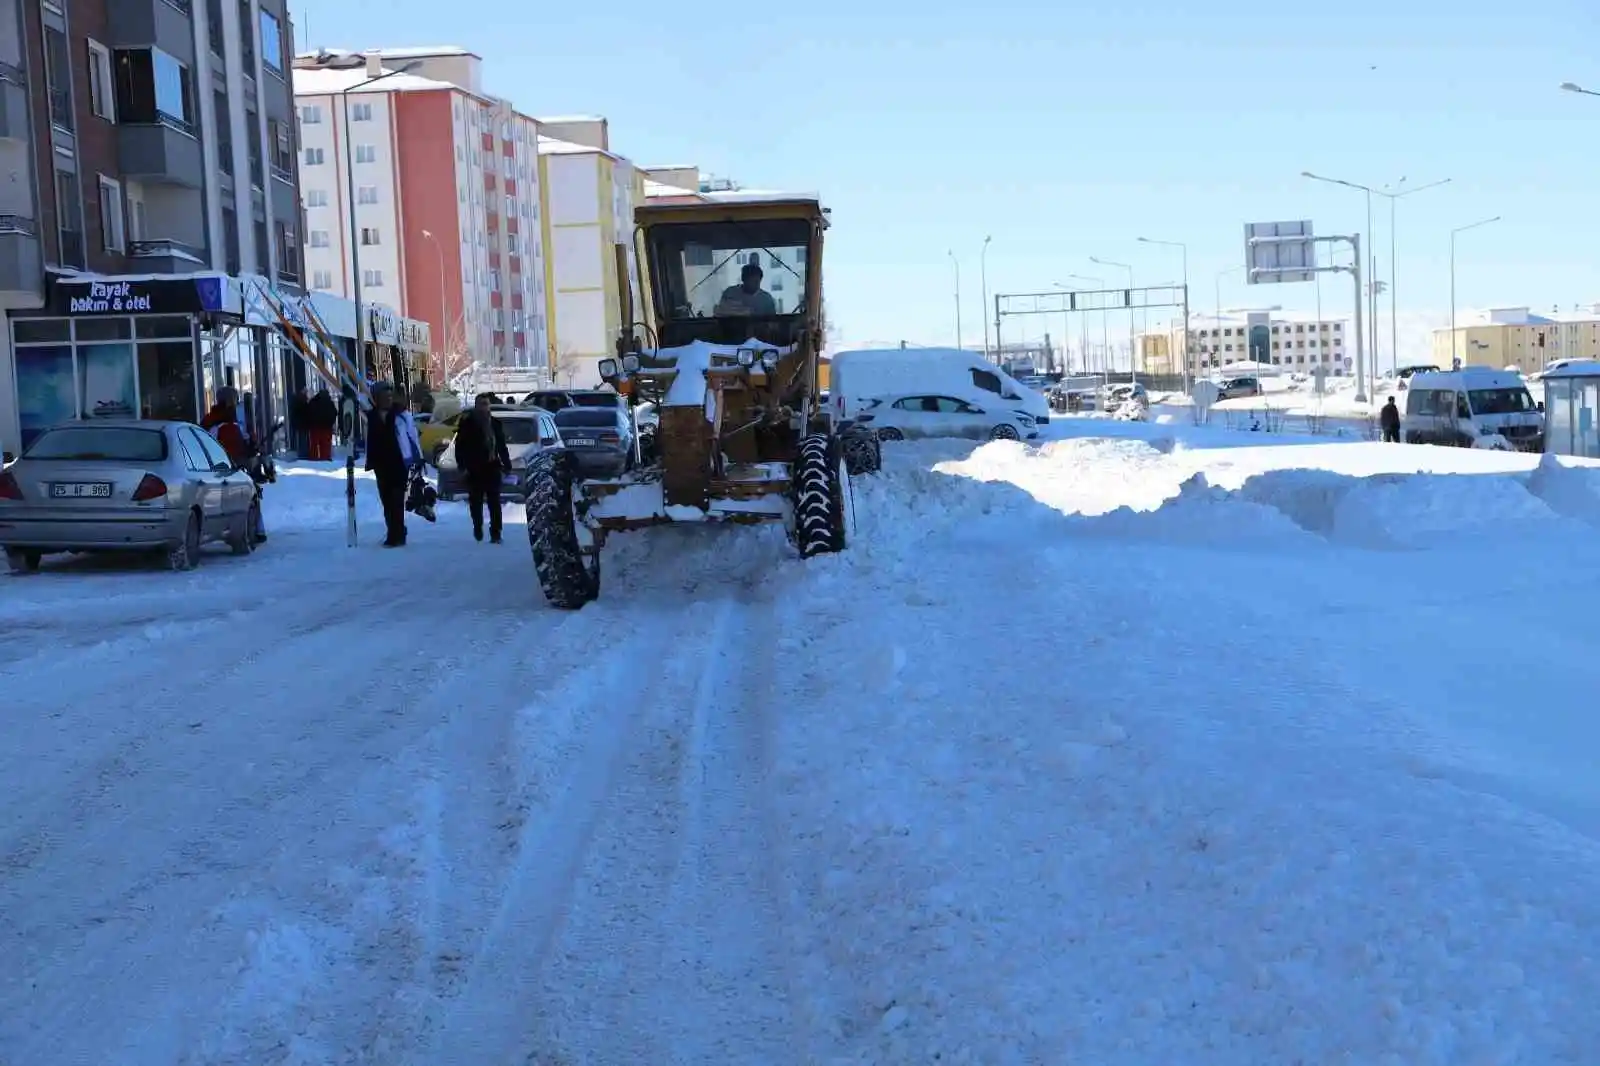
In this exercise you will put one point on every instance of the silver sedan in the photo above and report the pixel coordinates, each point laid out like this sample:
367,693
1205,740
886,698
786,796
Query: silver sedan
106,485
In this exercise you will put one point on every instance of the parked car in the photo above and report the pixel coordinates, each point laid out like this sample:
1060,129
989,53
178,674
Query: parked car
135,486
528,430
1235,388
553,400
914,417
600,437
435,435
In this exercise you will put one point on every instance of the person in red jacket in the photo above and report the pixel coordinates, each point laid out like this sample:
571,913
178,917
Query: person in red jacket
222,422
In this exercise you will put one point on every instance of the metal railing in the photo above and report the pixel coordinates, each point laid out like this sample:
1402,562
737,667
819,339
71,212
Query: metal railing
19,224
282,171
162,247
173,122
180,5
10,72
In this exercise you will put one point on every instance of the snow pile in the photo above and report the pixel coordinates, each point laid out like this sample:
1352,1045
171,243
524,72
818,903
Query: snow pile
1572,491
311,496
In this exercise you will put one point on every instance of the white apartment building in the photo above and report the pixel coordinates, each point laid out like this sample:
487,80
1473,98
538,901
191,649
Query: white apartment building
1295,343
472,264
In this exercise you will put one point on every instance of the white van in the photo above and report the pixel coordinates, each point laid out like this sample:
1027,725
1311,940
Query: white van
1459,408
865,374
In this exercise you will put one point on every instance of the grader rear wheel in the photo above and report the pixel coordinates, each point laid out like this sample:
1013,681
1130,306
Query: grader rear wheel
863,454
568,574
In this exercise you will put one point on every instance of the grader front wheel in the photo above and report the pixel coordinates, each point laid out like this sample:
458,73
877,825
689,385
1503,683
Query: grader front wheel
819,519
568,575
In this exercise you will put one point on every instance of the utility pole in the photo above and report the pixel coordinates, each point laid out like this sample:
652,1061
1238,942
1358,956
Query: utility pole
957,264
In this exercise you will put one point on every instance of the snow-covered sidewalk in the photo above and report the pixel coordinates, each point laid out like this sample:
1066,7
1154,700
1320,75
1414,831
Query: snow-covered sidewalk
1139,746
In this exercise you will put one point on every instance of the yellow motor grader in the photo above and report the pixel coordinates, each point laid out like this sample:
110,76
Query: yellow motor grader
726,373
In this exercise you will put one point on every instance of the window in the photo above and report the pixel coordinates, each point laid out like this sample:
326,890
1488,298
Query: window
69,208
263,251
369,236
311,114
102,94
322,279
288,251
153,87
219,104
58,78
372,278
312,156
361,112
113,238
214,27
282,150
247,41
986,381
511,244
230,239
366,153
271,43
316,197
319,238
511,208
252,126
367,194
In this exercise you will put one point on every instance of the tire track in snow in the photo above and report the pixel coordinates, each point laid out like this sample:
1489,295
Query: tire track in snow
675,954
487,1019
170,876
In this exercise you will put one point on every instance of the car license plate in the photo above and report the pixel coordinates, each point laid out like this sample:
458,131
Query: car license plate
73,490
582,442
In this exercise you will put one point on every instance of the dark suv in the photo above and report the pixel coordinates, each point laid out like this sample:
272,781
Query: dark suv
1234,388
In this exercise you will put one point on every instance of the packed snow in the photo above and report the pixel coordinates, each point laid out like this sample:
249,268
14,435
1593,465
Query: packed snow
1148,744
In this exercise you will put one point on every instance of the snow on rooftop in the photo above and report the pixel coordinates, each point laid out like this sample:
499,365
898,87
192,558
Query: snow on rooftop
556,146
567,120
748,196
427,52
323,81
1576,368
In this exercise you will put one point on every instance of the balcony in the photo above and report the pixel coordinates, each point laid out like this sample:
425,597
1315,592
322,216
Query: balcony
13,103
166,257
21,264
162,153
164,24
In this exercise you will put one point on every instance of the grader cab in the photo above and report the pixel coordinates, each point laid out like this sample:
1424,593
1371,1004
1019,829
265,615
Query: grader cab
728,365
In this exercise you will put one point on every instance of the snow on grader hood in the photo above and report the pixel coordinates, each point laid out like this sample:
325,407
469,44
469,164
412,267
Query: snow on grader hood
729,360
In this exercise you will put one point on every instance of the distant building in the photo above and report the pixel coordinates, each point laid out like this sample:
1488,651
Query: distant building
1514,336
1294,343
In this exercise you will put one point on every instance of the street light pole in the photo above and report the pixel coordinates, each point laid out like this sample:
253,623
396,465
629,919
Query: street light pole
1184,248
1394,267
1453,233
957,264
1128,299
375,73
1104,331
983,273
1571,87
1371,267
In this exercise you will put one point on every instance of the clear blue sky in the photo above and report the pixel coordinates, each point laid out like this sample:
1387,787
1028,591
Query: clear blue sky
1067,130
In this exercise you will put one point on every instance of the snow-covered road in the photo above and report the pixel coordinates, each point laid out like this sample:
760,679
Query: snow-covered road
1288,763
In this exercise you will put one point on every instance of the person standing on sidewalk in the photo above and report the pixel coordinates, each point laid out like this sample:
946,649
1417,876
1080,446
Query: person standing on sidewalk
392,453
1389,422
482,455
321,416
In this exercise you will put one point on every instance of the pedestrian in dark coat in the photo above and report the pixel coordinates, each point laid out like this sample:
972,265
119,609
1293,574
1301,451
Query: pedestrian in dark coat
322,416
484,459
1389,422
390,459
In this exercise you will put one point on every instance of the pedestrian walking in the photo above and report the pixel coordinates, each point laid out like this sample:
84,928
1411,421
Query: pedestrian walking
483,457
1389,422
322,416
393,452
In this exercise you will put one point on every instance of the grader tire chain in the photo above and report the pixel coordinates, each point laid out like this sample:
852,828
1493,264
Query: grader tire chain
566,579
819,525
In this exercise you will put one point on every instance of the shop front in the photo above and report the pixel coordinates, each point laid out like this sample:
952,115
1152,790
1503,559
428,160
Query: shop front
161,347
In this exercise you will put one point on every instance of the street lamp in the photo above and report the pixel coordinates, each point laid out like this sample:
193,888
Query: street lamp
1184,248
1128,300
1573,87
1394,268
1459,229
373,64
1217,283
957,264
1362,382
983,272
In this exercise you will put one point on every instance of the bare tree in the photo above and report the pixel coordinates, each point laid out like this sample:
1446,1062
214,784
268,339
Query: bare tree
564,365
451,354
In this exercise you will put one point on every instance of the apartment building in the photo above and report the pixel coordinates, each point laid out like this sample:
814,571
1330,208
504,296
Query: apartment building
150,238
1293,343
447,197
1516,336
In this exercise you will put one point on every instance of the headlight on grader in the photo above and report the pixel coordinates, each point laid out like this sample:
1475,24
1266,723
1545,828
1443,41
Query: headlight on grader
769,361
630,363
747,357
608,368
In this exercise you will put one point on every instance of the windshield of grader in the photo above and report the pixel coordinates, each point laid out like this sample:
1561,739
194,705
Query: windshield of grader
731,270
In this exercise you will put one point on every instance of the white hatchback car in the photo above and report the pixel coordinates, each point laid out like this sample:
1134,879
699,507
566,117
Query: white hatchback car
919,416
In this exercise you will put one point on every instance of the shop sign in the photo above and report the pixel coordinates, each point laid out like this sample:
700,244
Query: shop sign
163,296
382,324
414,334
